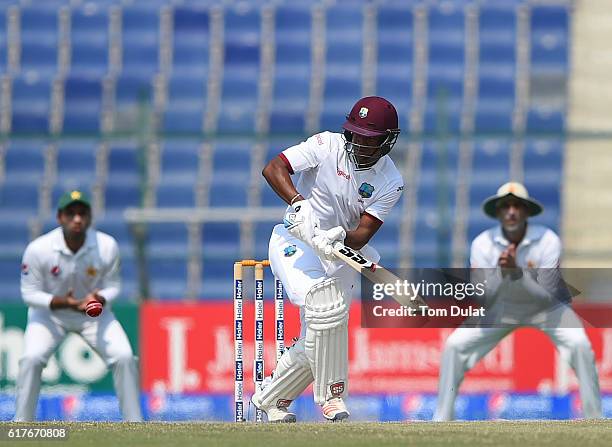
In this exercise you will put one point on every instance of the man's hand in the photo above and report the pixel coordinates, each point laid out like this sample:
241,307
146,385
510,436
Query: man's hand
507,262
95,296
301,221
324,241
65,302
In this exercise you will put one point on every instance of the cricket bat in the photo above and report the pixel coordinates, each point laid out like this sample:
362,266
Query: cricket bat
375,273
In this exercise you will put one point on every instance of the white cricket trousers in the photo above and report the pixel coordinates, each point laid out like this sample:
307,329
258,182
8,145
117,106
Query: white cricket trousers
466,346
44,333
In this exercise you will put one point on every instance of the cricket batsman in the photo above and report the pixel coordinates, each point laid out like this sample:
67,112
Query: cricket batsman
347,186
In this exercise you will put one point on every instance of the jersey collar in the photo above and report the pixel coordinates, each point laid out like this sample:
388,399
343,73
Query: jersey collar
59,243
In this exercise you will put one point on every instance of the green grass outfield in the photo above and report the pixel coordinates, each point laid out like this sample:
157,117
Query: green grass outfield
494,433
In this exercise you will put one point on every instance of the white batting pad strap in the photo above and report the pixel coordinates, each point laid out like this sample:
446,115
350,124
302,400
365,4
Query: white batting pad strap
326,305
291,377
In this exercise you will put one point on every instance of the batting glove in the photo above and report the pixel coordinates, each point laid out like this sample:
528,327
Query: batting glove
324,241
301,221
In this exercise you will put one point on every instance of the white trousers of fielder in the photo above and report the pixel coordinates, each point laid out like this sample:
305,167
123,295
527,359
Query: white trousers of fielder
466,346
104,334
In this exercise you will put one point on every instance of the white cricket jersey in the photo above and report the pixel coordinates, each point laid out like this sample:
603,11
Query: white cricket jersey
50,268
540,249
338,193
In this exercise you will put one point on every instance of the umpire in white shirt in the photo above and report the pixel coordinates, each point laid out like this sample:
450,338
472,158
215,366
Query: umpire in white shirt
61,272
518,299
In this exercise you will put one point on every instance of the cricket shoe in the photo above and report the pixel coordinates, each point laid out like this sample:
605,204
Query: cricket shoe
275,413
335,410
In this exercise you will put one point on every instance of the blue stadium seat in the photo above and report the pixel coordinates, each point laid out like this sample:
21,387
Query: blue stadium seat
485,184
545,119
229,189
395,56
167,239
216,275
122,194
494,116
497,87
396,86
343,88
25,160
239,99
544,186
439,155
140,39
497,37
191,40
167,277
334,113
18,198
263,231
129,277
40,56
185,89
131,89
293,67
76,162
120,230
9,277
180,161
90,45
291,96
387,238
188,117
269,198
242,37
437,193
446,52
491,154
31,103
221,240
83,104
232,157
14,237
543,154
39,39
286,117
172,194
478,221
3,39
292,83
123,161
549,39
443,115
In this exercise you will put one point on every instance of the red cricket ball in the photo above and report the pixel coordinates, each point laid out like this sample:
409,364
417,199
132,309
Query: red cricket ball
93,308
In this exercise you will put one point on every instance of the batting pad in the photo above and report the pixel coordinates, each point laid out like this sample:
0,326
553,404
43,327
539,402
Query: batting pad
291,377
326,342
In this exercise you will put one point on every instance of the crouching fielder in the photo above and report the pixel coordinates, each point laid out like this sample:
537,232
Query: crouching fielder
347,186
62,272
520,300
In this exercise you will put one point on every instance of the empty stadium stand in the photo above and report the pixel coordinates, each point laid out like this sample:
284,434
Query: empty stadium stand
161,104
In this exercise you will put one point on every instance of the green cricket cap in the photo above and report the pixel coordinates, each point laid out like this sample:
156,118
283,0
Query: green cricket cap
74,196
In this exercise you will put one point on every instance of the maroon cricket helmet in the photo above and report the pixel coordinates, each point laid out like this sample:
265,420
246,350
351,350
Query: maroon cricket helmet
372,116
